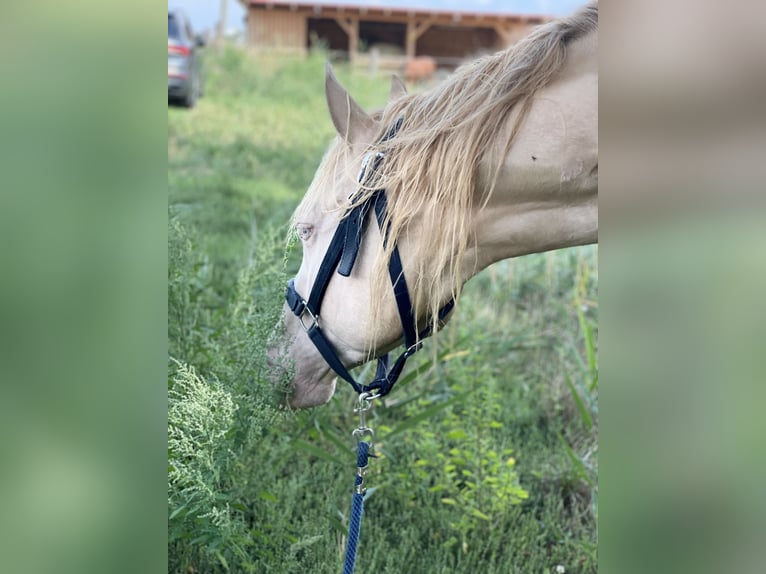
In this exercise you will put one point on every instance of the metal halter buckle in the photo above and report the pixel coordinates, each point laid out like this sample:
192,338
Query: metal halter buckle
374,157
314,319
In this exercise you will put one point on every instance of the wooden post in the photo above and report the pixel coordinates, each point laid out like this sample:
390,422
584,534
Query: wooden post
411,40
353,40
503,35
351,27
414,31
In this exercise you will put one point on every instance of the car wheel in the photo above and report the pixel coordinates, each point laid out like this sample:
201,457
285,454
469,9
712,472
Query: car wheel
190,98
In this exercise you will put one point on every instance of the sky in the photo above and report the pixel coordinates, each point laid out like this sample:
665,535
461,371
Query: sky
204,13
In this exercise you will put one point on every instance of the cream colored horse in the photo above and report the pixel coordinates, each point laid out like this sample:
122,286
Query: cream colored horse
499,161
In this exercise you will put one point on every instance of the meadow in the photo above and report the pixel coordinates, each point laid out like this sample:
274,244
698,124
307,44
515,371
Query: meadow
488,448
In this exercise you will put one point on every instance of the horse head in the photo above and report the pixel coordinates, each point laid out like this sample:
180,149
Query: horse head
345,318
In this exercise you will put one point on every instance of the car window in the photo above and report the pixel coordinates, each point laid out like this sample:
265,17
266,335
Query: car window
174,30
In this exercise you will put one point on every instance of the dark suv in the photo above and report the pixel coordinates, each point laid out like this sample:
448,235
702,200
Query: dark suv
184,62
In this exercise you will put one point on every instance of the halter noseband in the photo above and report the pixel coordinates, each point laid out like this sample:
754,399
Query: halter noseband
341,254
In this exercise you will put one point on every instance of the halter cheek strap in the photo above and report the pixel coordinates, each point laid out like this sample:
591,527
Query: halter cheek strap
341,255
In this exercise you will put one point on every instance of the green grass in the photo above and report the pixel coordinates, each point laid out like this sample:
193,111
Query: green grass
489,456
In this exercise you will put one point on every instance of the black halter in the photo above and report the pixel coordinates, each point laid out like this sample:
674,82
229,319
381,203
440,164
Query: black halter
341,254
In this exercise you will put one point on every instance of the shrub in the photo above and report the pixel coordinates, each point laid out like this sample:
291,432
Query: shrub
217,421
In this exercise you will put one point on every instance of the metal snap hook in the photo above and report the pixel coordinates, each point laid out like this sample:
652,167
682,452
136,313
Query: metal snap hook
364,404
363,433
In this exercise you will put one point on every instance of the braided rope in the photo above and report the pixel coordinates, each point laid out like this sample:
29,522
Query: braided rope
357,508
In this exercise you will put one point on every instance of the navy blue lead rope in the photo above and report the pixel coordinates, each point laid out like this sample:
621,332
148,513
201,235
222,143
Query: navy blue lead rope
357,508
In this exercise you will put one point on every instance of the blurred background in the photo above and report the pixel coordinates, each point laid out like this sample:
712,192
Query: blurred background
87,268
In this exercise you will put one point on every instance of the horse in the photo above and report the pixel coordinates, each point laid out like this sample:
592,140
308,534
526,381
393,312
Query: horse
420,69
498,161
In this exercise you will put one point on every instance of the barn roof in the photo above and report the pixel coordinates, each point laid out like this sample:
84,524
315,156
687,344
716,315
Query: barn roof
542,9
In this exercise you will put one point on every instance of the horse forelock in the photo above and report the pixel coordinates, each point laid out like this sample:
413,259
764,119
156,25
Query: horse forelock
431,166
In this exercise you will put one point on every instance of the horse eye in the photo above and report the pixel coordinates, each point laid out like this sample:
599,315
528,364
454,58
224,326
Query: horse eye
304,230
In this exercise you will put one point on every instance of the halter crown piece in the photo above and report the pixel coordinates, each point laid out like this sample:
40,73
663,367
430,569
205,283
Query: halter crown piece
341,255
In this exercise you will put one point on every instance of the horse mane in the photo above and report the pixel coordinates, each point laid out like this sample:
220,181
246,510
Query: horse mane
430,171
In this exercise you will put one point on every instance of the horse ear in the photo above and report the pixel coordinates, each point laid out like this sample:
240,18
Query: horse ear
398,89
350,120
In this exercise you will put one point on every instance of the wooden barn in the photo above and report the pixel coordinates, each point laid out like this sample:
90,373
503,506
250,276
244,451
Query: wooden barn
361,32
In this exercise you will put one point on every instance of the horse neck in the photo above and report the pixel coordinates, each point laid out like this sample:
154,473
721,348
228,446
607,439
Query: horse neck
545,191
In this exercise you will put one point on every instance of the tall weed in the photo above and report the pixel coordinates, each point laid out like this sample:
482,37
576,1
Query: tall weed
217,423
